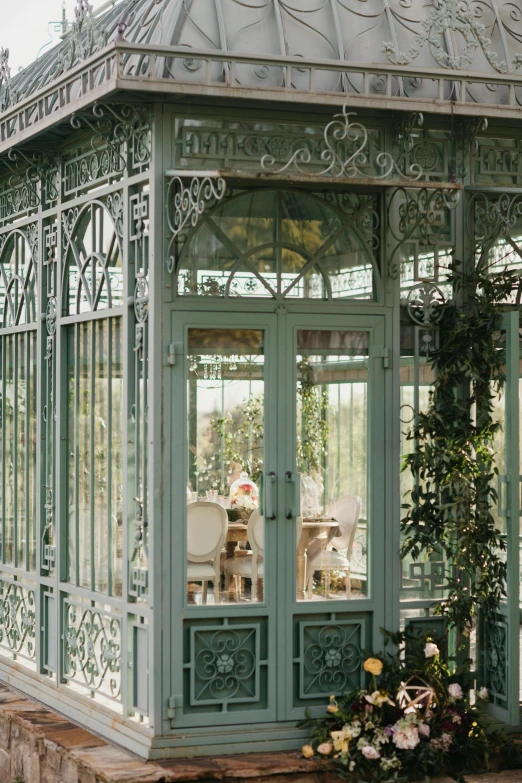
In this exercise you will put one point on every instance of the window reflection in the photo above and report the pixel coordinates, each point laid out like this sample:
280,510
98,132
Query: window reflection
263,243
332,447
225,526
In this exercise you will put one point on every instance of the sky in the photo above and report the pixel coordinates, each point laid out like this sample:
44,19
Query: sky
26,27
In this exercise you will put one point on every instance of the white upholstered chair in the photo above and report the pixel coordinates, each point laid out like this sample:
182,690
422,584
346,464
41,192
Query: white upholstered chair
335,556
206,534
249,566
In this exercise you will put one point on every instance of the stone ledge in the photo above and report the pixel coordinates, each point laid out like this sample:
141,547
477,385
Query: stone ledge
40,746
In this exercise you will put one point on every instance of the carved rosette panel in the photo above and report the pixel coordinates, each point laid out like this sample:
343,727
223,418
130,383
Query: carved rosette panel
92,648
17,618
224,666
331,657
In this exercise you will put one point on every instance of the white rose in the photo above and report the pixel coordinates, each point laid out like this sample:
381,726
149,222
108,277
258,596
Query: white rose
430,650
423,729
455,691
369,752
483,694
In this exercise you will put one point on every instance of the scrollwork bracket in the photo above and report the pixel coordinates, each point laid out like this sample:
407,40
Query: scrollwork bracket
189,195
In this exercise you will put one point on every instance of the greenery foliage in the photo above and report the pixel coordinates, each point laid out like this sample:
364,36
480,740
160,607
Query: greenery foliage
415,720
453,463
312,409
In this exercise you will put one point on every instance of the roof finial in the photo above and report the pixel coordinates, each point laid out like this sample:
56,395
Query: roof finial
5,79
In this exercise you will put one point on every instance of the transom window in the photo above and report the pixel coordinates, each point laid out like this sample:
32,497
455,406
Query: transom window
17,282
284,245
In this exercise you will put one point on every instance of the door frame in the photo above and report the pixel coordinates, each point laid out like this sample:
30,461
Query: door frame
272,316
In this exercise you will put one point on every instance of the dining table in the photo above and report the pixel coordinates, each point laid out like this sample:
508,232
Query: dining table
316,534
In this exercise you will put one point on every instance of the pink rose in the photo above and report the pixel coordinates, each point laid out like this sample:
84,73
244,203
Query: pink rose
369,752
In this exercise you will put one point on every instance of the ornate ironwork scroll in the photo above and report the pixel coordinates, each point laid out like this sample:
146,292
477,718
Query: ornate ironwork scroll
48,541
467,131
138,416
17,618
449,17
92,648
331,656
187,200
422,218
225,665
120,141
345,154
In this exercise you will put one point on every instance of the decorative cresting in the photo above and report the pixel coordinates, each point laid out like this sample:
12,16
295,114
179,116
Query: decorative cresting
83,41
447,18
92,648
495,659
331,657
187,199
420,225
17,618
225,665
5,80
345,154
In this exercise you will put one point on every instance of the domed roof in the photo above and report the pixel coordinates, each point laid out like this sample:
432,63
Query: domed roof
454,35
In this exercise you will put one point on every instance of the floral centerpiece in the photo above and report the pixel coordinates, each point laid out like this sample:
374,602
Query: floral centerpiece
415,720
244,493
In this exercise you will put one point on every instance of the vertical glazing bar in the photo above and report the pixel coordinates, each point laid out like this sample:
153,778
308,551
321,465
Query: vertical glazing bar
76,357
110,553
92,443
15,451
28,437
4,343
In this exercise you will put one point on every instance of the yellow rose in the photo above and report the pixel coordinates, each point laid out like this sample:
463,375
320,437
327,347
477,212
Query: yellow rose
307,751
373,666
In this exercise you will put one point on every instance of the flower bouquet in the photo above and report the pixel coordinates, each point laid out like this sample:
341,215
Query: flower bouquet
415,720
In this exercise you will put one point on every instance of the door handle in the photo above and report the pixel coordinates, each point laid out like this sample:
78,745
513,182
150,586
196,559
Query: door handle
293,510
269,496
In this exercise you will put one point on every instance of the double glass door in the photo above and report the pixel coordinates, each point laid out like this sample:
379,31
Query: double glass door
279,442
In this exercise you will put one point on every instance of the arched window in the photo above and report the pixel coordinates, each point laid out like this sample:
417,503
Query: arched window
284,245
94,277
18,325
17,282
93,282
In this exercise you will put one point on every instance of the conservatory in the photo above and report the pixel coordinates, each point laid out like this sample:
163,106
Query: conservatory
225,233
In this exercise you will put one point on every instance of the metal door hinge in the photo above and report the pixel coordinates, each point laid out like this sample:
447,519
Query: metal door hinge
175,704
174,350
380,352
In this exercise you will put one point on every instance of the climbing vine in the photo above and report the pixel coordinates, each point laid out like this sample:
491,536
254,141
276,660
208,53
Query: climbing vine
453,462
312,409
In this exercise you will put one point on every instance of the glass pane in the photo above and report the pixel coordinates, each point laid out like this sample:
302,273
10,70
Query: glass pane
424,577
18,448
95,455
94,266
332,464
225,427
